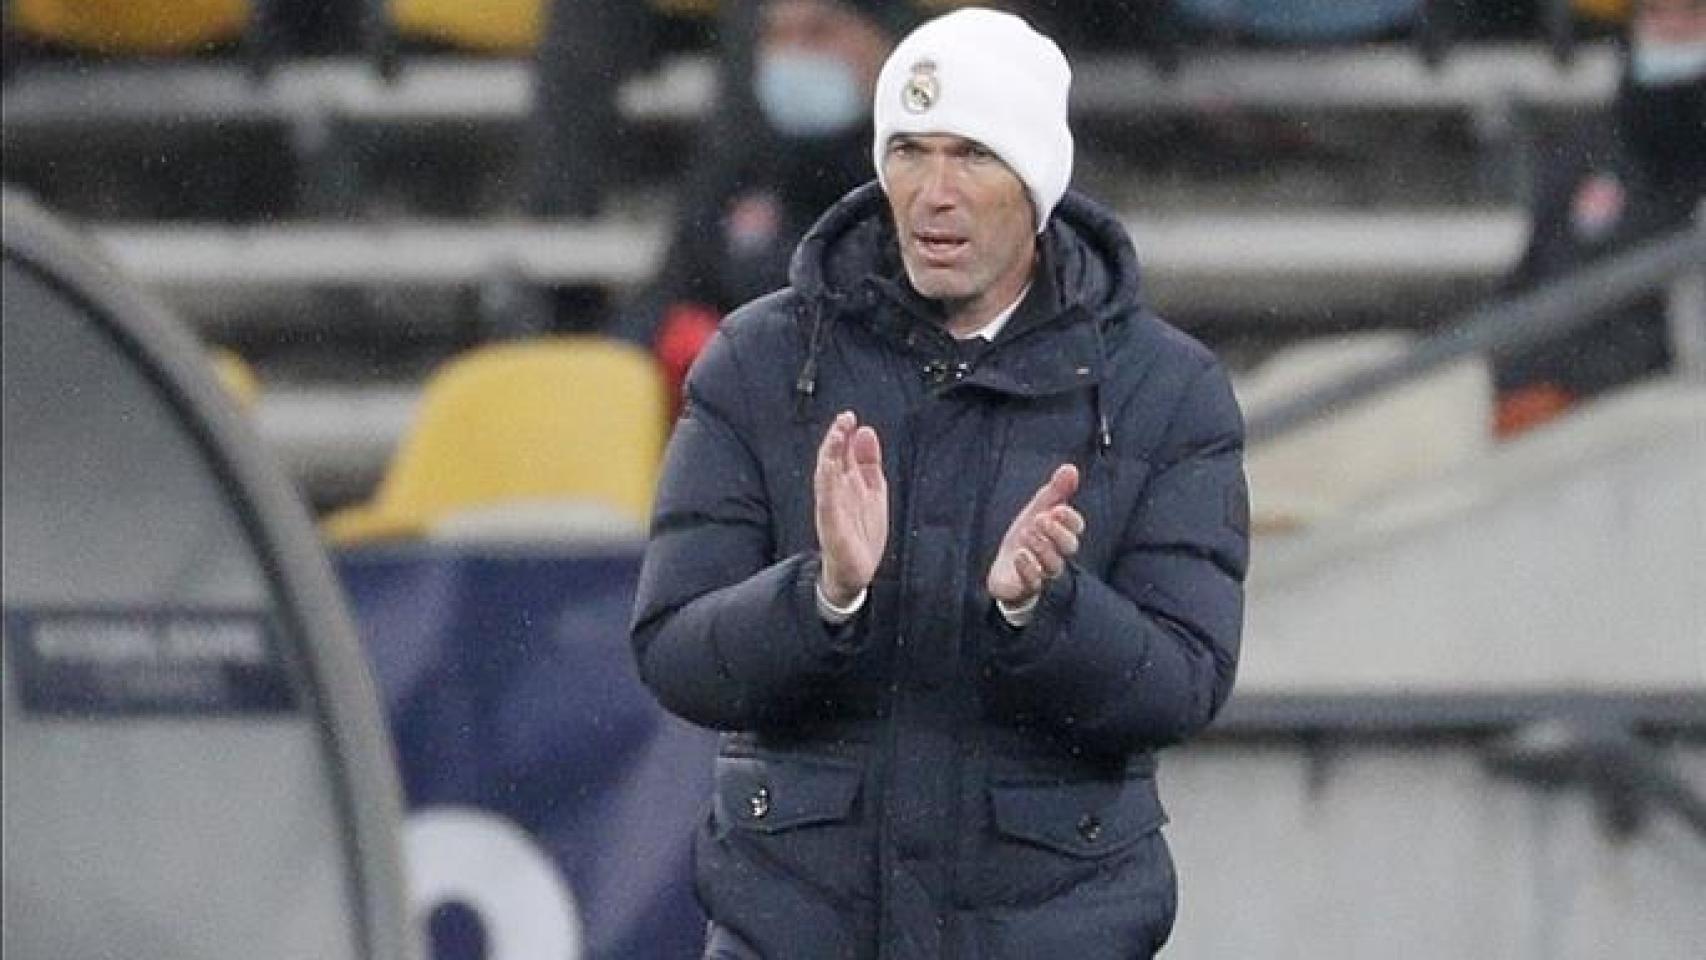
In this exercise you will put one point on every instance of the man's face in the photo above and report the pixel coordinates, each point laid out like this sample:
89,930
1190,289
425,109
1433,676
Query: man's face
964,222
1676,26
1667,67
828,28
1671,19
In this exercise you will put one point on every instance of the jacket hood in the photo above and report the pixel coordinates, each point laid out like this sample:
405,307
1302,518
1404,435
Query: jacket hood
1091,258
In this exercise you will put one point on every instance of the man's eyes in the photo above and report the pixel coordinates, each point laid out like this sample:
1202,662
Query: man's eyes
974,153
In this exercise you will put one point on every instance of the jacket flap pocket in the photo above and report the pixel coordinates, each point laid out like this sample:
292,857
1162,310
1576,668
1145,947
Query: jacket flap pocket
1084,819
769,795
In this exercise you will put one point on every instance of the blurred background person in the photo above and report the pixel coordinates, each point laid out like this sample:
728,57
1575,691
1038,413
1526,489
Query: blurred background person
1608,188
813,70
587,49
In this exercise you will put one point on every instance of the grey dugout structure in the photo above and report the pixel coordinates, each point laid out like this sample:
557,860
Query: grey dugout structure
195,765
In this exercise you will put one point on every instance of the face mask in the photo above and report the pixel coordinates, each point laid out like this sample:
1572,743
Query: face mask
1665,64
808,94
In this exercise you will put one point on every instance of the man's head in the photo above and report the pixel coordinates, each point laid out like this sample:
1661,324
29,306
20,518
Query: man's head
1667,42
973,150
1661,108
984,76
817,61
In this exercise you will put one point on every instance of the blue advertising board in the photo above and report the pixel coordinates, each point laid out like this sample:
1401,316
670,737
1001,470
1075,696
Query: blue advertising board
552,802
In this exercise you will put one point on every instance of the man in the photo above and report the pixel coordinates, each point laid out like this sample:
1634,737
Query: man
951,539
815,64
1605,192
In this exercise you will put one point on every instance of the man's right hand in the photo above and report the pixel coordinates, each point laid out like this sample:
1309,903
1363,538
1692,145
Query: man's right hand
852,508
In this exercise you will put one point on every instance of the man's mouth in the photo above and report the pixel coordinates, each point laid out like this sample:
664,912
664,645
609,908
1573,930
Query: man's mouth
939,246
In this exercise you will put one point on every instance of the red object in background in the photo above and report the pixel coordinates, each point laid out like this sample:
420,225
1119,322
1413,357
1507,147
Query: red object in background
685,330
1528,407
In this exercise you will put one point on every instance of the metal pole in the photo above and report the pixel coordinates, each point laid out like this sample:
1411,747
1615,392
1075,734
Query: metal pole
1548,312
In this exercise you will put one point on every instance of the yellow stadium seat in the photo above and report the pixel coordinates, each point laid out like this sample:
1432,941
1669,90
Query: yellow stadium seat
502,26
489,26
1605,11
514,26
705,8
129,27
570,421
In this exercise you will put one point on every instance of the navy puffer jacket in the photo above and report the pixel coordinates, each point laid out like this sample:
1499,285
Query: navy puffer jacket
928,781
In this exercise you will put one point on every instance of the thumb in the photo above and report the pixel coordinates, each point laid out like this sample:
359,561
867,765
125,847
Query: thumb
1058,489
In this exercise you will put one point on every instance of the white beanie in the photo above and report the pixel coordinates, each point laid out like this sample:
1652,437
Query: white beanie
989,77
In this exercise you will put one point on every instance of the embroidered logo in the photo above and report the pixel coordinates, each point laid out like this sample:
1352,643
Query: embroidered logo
922,89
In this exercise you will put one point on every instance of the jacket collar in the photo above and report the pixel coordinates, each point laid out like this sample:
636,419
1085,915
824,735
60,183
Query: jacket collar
848,267
1049,346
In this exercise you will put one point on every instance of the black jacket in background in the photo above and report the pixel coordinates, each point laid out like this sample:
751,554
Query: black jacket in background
1610,187
740,221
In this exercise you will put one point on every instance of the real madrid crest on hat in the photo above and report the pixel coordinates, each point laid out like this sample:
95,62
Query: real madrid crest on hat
922,88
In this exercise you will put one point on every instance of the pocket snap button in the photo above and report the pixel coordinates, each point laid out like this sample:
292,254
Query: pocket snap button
1090,828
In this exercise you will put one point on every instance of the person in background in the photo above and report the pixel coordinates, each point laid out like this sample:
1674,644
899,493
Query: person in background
1605,191
815,64
950,540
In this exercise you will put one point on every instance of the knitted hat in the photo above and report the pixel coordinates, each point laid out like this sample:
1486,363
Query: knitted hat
989,77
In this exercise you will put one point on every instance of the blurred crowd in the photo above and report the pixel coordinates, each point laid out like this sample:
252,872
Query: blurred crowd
787,134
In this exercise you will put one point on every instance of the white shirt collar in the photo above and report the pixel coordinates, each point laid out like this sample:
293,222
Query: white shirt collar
989,330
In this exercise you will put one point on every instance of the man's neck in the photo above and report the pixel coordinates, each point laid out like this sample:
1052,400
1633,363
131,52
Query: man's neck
964,318
992,329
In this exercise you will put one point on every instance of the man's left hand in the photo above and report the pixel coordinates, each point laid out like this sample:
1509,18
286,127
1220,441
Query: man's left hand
1041,539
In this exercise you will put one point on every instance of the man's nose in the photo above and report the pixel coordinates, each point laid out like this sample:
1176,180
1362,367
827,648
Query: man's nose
941,186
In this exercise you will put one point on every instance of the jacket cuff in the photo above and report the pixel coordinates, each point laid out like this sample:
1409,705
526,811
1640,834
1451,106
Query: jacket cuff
1018,644
1018,615
842,639
834,615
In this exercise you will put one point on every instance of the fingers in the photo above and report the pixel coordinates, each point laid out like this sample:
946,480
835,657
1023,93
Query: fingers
865,457
849,450
1055,491
833,450
1043,538
835,439
1058,531
1070,518
1051,540
1045,554
1030,572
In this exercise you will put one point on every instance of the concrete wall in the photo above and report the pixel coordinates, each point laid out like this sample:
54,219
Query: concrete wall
1573,558
1570,562
1419,851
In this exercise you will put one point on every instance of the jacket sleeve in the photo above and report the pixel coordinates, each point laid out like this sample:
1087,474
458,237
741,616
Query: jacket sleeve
726,635
1148,657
